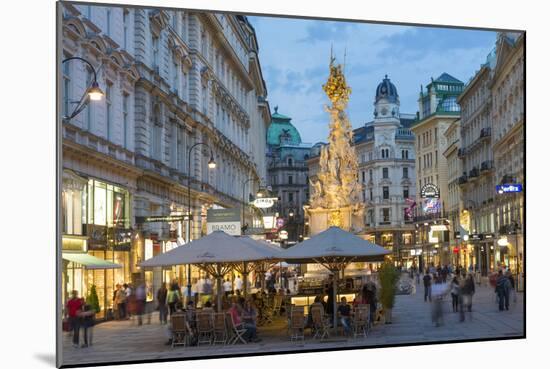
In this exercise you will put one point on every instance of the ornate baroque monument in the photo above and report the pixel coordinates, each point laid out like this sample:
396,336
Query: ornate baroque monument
336,193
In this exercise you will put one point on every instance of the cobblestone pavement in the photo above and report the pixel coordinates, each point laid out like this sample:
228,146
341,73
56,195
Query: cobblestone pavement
126,341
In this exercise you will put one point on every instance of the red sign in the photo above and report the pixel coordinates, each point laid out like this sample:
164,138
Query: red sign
456,250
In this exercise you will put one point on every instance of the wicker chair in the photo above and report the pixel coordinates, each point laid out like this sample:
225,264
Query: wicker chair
297,323
220,329
205,328
361,321
179,330
320,321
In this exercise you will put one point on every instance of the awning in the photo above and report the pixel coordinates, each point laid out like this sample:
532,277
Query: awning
89,261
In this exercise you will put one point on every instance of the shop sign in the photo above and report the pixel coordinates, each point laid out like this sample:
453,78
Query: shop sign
432,238
264,202
476,237
269,221
98,237
456,250
283,235
509,188
226,220
488,236
457,235
280,222
74,243
438,227
429,190
161,219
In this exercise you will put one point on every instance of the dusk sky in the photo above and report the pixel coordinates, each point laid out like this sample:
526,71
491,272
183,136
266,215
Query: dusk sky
294,54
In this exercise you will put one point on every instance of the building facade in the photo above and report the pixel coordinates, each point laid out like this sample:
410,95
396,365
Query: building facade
477,182
287,173
171,80
507,113
438,109
386,152
454,172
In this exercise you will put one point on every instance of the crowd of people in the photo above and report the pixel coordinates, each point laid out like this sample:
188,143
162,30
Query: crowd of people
461,288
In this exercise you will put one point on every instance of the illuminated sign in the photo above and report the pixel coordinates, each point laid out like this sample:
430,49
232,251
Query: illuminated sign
161,218
226,220
264,202
431,238
148,249
269,221
283,235
438,227
431,205
280,222
509,188
429,190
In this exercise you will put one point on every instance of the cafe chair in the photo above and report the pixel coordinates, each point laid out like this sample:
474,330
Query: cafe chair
297,323
179,330
320,323
205,328
237,331
220,329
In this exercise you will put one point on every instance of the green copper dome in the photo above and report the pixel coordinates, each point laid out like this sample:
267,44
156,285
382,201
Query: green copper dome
281,131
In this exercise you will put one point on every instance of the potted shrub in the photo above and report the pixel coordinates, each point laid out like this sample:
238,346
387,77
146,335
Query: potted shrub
93,300
389,276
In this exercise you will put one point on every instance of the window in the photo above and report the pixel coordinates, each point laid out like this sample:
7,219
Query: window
109,106
66,87
370,174
125,119
386,192
183,26
125,16
370,194
385,153
370,156
363,176
156,135
405,192
436,158
404,154
89,114
385,173
289,161
204,100
155,51
108,22
405,172
175,76
290,197
386,215
203,43
290,179
419,164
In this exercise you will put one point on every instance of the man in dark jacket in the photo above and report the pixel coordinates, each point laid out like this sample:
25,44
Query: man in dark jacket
502,290
427,286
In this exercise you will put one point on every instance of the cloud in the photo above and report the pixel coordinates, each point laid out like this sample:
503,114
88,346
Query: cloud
327,31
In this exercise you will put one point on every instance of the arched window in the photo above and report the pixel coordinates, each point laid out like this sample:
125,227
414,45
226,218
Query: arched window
290,162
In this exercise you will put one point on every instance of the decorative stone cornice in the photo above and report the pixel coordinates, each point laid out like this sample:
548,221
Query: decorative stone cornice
159,20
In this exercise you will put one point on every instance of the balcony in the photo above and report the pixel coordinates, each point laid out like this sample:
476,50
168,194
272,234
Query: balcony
485,132
486,165
461,152
474,173
463,179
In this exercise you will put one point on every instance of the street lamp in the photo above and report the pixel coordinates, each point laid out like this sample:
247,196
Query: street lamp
93,92
211,165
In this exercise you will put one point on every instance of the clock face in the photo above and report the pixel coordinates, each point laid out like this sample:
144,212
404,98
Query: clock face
384,111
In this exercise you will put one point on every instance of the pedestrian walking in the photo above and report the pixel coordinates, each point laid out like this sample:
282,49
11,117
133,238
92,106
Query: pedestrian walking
173,298
467,290
120,299
427,287
162,294
140,302
439,292
502,290
87,321
238,284
455,293
227,287
74,308
513,295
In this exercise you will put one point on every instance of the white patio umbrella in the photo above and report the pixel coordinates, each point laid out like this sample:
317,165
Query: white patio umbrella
272,256
216,254
334,249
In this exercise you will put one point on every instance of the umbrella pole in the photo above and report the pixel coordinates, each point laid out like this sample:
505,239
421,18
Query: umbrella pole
220,279
334,295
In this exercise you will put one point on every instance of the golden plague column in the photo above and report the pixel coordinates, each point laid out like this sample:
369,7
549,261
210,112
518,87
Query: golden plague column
336,192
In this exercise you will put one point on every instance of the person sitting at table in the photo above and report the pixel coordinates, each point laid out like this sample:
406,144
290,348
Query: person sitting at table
317,302
344,311
207,306
249,318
